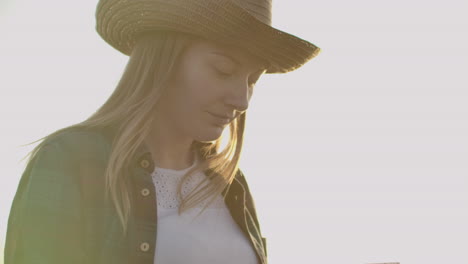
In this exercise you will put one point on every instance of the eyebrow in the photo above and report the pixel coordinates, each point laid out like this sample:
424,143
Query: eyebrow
263,66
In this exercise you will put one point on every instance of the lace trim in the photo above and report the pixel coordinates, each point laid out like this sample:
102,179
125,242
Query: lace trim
166,181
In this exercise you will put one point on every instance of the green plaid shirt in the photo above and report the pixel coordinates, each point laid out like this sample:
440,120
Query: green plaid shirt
59,214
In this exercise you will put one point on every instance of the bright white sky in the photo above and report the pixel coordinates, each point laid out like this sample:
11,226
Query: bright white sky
360,156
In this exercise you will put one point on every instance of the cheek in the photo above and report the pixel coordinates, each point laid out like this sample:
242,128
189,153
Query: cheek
202,88
190,98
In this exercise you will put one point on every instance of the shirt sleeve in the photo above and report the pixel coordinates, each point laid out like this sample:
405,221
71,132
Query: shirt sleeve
44,224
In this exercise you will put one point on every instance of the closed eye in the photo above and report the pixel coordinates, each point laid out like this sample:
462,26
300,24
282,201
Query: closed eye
226,75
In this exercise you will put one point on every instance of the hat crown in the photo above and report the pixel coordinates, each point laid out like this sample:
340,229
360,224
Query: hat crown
242,23
260,9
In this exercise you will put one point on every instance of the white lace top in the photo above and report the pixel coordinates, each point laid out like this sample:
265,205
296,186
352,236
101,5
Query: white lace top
212,237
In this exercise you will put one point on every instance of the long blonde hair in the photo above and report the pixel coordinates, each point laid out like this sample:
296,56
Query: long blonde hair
131,108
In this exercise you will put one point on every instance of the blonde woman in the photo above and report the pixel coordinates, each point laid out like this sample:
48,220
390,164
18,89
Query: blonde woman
144,179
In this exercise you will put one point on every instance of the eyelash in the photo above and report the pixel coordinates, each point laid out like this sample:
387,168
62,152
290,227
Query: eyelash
225,75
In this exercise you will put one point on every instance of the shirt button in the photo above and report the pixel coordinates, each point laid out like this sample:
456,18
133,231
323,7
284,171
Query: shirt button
144,163
144,246
145,192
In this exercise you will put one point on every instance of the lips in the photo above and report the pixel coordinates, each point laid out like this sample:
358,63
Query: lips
223,116
220,119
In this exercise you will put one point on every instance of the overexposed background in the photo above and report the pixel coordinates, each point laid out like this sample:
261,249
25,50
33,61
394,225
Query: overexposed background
360,156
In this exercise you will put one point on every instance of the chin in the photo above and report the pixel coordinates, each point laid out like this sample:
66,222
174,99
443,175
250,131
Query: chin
208,134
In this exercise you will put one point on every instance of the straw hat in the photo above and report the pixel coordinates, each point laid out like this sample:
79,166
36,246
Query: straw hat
242,23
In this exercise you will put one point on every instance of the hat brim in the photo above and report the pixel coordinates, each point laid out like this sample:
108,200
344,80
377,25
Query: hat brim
118,22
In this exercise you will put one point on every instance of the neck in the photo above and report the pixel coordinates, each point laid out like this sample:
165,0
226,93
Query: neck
170,150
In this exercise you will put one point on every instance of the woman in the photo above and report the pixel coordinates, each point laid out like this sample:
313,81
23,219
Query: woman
143,180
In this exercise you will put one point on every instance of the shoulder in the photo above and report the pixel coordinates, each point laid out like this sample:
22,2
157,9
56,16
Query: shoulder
70,153
80,141
74,147
69,165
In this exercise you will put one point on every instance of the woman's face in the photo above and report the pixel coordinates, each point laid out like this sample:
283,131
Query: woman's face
207,81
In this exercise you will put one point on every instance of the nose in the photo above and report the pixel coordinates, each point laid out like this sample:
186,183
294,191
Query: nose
239,96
